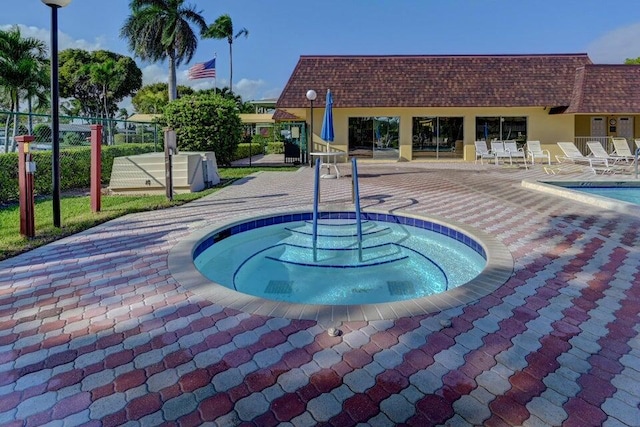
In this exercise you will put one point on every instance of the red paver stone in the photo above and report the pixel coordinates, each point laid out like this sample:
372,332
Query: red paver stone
435,408
287,407
116,419
215,406
260,379
325,380
595,390
10,401
65,379
129,380
392,381
357,358
509,410
296,358
540,365
170,392
118,359
71,405
60,358
459,382
581,411
268,419
102,391
143,405
39,419
342,420
384,339
360,407
436,343
177,358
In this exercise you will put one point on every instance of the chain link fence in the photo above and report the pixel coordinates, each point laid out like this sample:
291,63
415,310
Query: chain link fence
119,138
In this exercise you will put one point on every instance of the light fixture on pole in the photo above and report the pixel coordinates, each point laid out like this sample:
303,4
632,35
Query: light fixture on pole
311,96
55,108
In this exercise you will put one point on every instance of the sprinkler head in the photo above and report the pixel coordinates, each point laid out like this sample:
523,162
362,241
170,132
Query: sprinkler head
333,332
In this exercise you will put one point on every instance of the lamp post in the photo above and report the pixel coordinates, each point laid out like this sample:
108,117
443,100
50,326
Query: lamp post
311,96
55,108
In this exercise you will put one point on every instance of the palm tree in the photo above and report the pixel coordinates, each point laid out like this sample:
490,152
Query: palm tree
222,28
161,29
22,64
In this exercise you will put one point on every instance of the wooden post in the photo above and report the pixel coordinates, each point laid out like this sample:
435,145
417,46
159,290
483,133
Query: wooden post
96,167
25,183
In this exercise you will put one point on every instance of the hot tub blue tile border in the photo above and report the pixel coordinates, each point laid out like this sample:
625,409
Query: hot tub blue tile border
370,216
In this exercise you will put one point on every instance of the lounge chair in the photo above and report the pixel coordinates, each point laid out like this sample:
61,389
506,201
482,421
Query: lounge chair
598,151
535,151
621,149
500,152
516,153
571,154
482,152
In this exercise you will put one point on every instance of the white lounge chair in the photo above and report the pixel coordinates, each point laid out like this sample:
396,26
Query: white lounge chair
571,154
482,152
598,151
516,153
535,151
497,148
621,149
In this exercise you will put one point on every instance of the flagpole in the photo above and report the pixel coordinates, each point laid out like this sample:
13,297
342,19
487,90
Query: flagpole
215,79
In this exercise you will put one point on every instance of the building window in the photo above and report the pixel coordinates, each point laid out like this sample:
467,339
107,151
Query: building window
437,136
374,137
501,128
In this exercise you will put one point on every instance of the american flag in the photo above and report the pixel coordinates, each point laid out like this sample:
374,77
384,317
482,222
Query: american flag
203,70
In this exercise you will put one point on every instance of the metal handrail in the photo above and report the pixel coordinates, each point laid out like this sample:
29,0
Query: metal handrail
356,190
316,200
636,160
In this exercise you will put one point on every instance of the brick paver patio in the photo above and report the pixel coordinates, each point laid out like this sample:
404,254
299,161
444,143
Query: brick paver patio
95,331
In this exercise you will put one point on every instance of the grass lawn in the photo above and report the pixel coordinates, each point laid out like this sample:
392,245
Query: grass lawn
76,213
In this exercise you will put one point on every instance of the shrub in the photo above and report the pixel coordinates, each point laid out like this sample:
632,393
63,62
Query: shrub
75,166
73,138
243,150
275,147
206,122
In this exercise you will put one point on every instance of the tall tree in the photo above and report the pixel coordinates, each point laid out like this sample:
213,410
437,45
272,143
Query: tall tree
98,78
151,99
23,62
159,30
222,28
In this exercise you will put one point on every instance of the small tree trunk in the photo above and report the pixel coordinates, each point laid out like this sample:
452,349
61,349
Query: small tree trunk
173,88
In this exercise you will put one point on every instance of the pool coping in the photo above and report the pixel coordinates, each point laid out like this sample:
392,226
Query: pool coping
555,188
498,270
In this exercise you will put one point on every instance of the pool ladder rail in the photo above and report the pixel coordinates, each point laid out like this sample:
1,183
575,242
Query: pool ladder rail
356,200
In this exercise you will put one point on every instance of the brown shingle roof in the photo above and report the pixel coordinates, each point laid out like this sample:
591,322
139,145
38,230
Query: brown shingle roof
613,89
435,81
281,115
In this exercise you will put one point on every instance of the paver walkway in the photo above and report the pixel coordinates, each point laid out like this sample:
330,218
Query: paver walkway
95,331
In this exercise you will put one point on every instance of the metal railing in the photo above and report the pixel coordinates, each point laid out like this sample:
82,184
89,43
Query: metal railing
316,201
356,195
581,143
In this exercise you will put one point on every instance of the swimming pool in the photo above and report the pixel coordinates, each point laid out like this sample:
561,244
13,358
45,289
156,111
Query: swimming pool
620,196
384,246
397,261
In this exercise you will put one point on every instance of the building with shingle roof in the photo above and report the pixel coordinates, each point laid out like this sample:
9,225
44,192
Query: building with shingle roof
407,107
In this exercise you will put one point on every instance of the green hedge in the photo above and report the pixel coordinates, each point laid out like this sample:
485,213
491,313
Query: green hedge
75,164
275,147
242,151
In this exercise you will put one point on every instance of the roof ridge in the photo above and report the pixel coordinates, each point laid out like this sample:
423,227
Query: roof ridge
463,55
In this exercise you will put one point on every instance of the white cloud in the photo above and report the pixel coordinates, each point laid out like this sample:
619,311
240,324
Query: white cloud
65,41
616,46
249,89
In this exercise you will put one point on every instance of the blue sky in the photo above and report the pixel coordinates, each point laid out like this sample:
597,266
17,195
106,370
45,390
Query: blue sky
282,30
